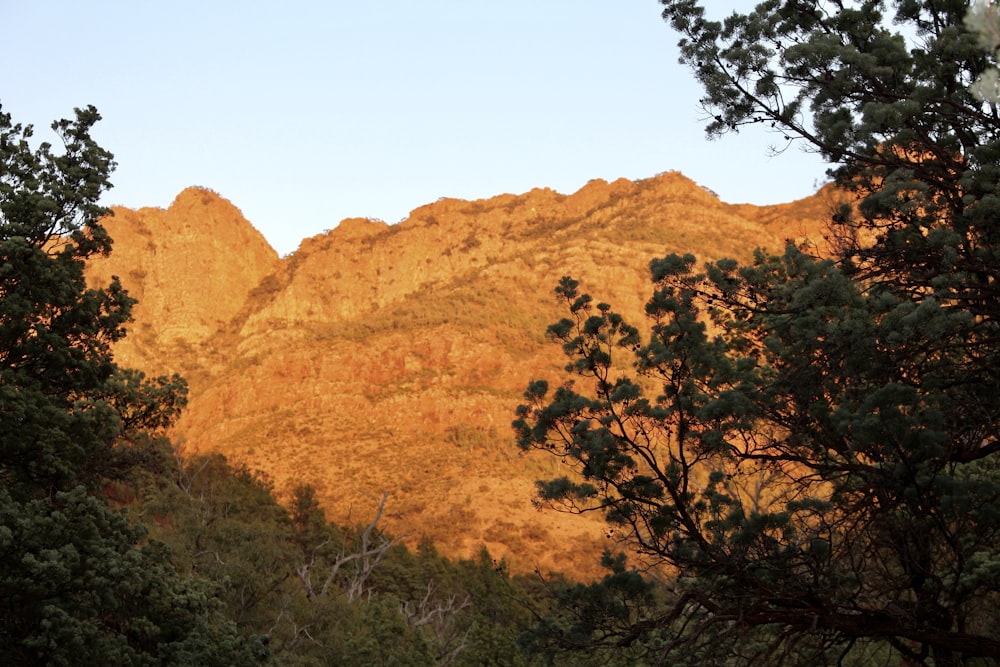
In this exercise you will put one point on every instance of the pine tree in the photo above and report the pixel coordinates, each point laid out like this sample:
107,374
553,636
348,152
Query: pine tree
809,446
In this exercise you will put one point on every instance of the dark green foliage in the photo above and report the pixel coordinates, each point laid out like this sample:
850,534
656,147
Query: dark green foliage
66,404
81,586
583,616
79,583
270,569
809,447
882,91
224,526
814,465
221,574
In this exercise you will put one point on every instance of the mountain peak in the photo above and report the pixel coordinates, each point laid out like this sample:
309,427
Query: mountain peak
391,358
355,228
199,195
190,266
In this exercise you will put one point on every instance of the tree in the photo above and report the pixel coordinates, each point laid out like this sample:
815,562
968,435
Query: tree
79,582
983,19
891,109
819,466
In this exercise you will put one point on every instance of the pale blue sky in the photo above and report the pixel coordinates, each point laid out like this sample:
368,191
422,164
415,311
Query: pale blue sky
305,113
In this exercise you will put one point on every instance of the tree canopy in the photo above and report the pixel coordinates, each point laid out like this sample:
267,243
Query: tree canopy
117,550
79,582
807,446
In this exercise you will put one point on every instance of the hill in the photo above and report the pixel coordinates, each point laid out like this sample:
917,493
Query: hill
390,358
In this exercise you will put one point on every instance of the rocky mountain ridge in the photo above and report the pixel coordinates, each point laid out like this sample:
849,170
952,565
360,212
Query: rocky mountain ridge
390,358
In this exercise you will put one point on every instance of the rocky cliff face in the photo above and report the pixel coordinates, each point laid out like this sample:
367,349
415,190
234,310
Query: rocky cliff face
391,358
191,267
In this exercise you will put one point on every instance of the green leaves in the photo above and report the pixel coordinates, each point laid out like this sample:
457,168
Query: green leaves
882,90
55,331
44,196
79,583
792,457
79,586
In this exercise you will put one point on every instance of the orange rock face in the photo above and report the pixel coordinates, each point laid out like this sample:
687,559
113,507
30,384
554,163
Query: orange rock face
391,358
191,267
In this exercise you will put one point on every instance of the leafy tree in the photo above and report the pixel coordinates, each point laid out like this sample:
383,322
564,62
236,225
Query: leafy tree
223,524
810,446
79,583
586,616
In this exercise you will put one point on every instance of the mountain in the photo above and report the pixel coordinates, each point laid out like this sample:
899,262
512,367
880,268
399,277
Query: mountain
391,358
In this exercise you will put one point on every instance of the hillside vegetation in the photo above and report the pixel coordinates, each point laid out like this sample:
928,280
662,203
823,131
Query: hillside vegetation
382,358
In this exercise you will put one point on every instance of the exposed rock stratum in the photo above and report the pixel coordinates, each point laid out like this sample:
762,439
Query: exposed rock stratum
391,358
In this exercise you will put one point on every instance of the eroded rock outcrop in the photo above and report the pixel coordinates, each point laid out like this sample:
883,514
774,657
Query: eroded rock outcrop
391,358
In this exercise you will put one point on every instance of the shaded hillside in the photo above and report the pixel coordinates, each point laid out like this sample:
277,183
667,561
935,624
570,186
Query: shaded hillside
391,358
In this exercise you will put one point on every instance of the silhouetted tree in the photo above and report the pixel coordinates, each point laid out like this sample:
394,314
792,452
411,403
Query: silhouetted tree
79,583
810,446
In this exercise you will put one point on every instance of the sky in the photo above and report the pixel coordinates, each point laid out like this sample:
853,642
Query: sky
303,113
